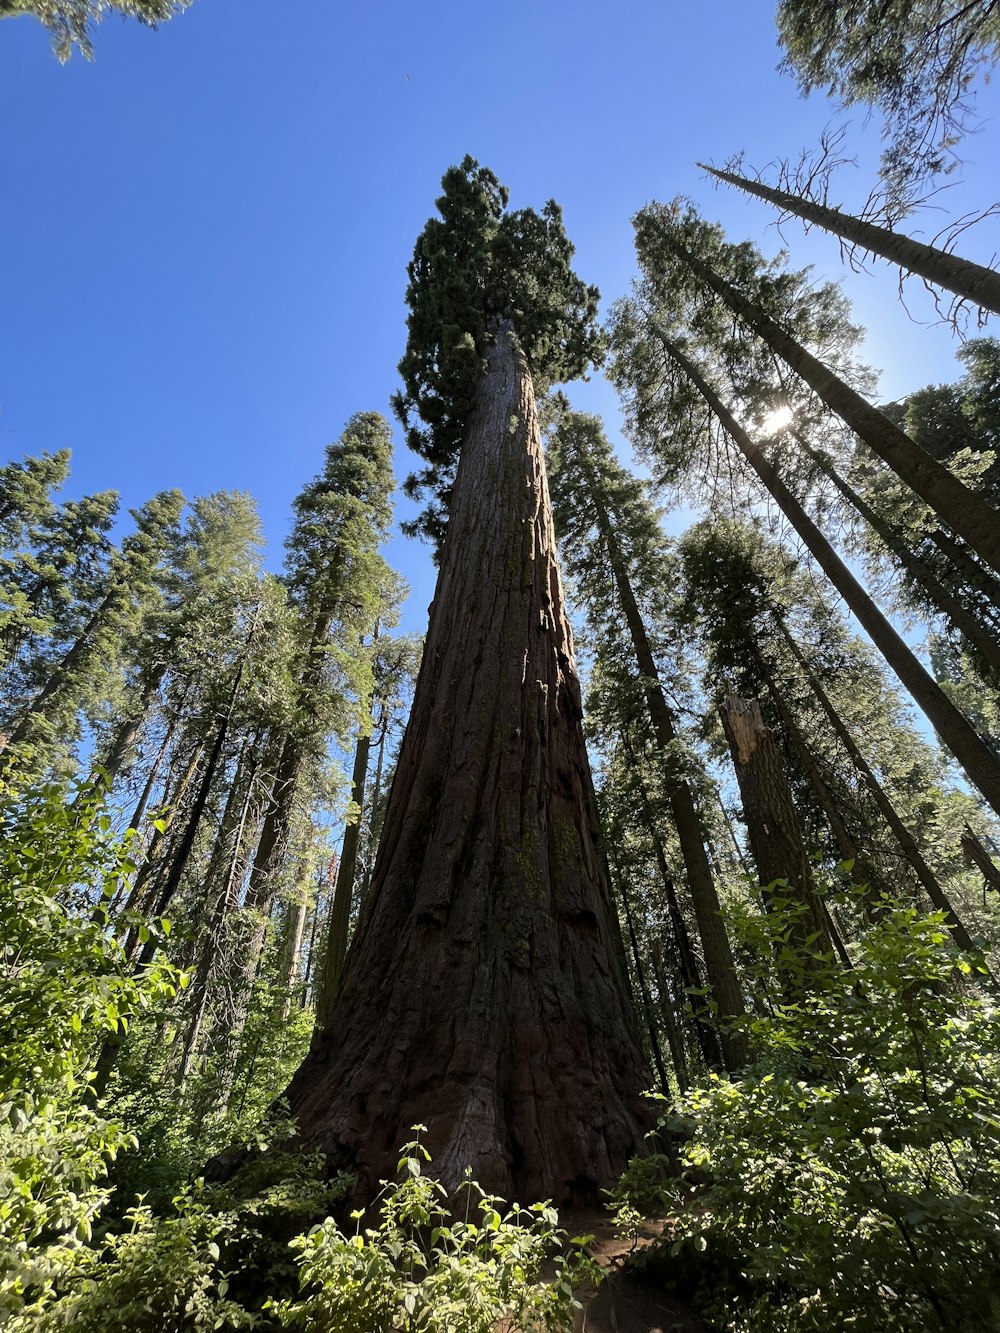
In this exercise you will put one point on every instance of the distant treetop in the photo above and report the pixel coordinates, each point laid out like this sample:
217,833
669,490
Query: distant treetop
70,21
914,60
474,267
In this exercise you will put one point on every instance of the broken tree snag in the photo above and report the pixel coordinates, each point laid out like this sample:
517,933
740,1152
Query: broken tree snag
772,824
977,855
485,993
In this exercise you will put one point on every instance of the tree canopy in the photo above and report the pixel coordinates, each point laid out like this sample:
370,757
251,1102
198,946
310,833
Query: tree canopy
915,60
476,267
71,22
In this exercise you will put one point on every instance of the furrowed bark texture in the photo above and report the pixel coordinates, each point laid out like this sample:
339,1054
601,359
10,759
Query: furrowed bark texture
485,993
772,824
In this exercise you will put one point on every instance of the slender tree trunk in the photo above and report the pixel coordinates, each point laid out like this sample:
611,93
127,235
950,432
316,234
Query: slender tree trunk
140,895
974,282
744,864
161,754
975,575
122,892
291,951
230,841
277,827
976,758
772,824
128,732
965,512
690,832
864,873
179,860
977,855
314,962
647,999
486,994
178,863
72,662
376,792
675,1039
979,638
708,1036
343,893
903,836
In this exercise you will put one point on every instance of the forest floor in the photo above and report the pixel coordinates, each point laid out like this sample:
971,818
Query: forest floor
626,1302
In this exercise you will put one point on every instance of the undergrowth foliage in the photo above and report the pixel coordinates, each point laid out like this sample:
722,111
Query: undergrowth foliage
65,985
421,1267
250,1254
850,1178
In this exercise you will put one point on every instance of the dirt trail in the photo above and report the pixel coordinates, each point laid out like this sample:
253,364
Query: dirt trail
625,1302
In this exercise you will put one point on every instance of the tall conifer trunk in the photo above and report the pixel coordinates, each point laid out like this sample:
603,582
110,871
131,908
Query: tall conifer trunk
343,893
485,992
975,633
772,824
712,928
965,511
961,738
974,282
885,806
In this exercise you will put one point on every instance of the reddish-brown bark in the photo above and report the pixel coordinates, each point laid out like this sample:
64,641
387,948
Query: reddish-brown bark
772,823
485,992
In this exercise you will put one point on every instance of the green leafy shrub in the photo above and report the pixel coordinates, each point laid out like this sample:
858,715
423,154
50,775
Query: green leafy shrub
65,985
422,1268
851,1178
228,1258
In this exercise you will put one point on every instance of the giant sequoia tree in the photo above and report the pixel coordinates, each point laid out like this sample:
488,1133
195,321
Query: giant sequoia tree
485,992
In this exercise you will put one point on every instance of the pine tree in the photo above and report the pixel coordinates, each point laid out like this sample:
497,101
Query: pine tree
70,21
53,559
50,721
615,550
971,282
336,581
957,733
914,60
741,591
685,259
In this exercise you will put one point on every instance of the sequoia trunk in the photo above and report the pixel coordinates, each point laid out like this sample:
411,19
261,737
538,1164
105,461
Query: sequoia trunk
485,992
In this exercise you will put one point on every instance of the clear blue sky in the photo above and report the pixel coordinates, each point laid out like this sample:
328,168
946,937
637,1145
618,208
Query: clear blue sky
206,229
